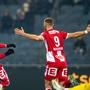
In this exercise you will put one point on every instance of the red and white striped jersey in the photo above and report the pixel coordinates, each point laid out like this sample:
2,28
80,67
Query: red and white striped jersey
4,80
54,43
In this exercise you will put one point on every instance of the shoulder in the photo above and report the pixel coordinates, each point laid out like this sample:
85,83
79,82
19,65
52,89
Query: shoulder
64,34
43,33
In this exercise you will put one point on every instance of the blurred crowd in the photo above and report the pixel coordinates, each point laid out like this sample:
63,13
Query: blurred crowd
27,9
28,14
24,15
21,15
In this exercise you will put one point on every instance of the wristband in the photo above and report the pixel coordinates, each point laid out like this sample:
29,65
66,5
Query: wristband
86,32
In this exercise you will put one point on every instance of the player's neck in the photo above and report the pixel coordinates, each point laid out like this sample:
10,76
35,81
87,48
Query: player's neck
49,28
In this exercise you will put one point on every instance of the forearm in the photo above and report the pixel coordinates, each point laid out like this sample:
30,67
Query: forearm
2,56
3,45
7,53
77,34
7,45
30,36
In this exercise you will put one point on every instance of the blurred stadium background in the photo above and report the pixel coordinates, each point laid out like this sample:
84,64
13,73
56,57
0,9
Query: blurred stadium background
26,67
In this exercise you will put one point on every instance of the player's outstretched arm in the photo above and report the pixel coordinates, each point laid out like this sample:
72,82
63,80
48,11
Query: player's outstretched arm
7,45
7,53
79,33
29,36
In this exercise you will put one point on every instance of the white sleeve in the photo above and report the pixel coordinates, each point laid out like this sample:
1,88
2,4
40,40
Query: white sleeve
67,35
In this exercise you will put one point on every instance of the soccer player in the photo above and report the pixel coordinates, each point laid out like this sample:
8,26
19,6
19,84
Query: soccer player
4,80
56,86
56,66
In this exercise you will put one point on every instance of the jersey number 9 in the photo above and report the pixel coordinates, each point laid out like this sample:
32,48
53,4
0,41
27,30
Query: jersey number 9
57,42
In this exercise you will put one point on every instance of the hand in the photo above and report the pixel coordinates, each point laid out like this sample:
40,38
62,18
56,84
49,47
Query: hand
19,31
88,28
9,52
11,45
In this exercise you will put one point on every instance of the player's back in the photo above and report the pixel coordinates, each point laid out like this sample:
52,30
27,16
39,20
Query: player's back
54,41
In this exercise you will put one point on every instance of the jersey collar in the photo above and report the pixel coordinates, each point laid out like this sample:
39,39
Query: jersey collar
50,29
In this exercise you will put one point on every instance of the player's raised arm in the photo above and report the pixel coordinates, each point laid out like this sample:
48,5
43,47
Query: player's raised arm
27,35
79,33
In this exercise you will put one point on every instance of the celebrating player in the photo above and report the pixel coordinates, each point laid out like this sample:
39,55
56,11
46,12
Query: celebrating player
56,66
4,80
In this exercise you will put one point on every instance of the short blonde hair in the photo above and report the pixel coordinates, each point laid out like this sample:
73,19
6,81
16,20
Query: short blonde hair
49,21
